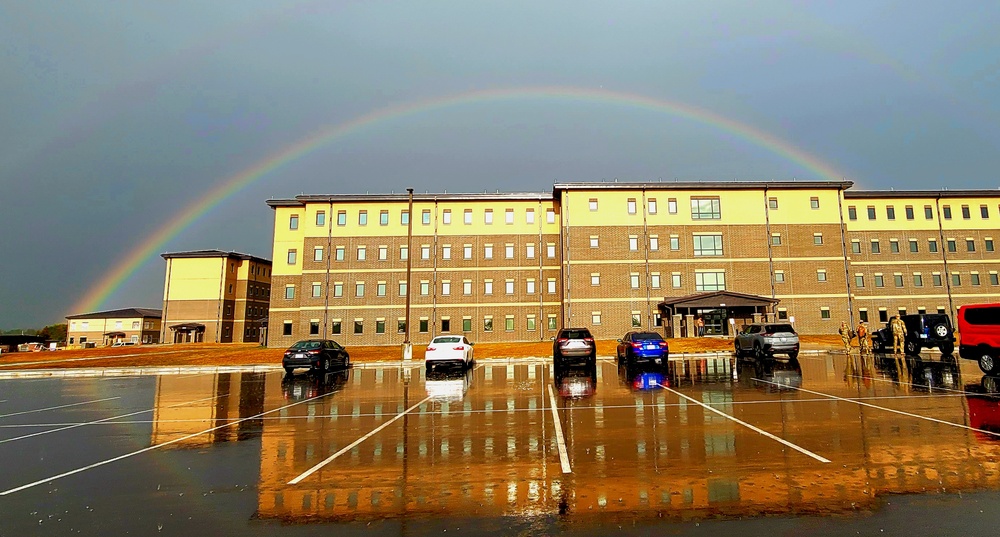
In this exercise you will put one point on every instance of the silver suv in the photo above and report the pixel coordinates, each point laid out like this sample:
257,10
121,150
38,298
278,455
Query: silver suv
764,340
574,345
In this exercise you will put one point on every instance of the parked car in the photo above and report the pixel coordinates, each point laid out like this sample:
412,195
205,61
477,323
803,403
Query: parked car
923,330
453,350
979,325
763,340
642,347
317,355
574,346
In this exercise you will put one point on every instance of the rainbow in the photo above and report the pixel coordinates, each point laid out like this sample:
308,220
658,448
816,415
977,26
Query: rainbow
99,293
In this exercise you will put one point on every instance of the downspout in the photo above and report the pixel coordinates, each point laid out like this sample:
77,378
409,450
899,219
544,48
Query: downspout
843,248
328,254
434,280
222,287
541,273
944,256
166,300
770,252
565,300
645,249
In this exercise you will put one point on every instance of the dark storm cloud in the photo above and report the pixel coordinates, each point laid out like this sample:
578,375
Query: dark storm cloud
118,115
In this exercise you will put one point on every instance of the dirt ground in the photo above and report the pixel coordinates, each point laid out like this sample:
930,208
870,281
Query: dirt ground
247,354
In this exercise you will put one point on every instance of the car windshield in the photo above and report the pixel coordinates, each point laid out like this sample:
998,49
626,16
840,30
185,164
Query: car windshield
448,339
307,345
646,336
779,328
576,334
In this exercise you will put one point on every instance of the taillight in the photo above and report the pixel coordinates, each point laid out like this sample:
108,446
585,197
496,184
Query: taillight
458,348
313,352
588,339
663,344
562,340
636,345
431,348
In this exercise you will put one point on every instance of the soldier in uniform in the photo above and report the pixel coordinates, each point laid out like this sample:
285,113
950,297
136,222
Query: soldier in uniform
864,344
845,336
898,334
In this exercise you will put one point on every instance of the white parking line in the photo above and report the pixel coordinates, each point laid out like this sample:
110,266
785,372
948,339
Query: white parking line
560,440
157,446
748,426
90,358
57,407
350,446
900,412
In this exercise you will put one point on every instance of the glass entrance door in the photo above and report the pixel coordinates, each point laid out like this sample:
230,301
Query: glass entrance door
715,321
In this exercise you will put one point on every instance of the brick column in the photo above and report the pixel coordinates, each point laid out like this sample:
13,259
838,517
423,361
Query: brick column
692,331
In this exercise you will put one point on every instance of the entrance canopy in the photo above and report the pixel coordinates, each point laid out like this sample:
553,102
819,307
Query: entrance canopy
188,327
114,334
715,312
716,299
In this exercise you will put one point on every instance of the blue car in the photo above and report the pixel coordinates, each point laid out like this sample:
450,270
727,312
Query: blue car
642,348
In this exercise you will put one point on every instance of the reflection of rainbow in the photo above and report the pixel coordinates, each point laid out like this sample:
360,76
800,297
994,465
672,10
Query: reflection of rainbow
99,293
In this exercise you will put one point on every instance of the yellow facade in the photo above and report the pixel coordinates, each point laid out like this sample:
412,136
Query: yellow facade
130,325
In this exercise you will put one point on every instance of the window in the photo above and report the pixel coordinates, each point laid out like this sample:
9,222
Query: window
894,246
631,206
965,212
445,287
956,279
883,315
594,241
338,289
530,323
488,251
425,287
488,323
775,239
654,280
782,314
508,216
593,204
466,287
859,280
317,290
293,222
928,212
425,217
852,213
814,203
401,325
710,281
379,326
936,279
633,243
595,317
341,218
467,251
772,203
654,243
984,212
529,251
446,217
383,219
932,245
994,278
708,245
824,313
551,285
380,289
467,218
988,244
672,206
488,216
508,323
488,287
383,253
550,216
871,212
595,279
675,242
551,322
286,330
705,209
652,205
863,315
289,291
675,280
909,212
508,251
446,251
918,279
425,251
897,279
890,213
879,280
291,257
974,278
952,246
633,280
466,324
359,289
320,218
424,325
947,212
779,276
818,239
529,286
363,218
855,246
821,275
318,253
970,245
529,216
404,218
914,246
636,319
876,248
339,253
362,253
359,326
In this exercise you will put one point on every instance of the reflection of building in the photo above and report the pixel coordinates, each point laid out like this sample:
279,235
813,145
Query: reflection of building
185,405
131,325
637,454
215,296
613,256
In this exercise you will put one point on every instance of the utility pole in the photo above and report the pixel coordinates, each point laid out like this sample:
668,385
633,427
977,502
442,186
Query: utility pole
407,345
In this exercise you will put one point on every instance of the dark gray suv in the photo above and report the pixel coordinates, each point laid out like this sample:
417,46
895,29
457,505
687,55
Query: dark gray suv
574,345
763,340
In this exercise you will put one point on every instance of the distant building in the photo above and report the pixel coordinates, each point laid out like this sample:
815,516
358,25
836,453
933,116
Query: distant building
103,328
215,296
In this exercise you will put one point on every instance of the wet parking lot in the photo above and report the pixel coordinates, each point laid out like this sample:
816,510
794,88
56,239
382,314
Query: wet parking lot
826,444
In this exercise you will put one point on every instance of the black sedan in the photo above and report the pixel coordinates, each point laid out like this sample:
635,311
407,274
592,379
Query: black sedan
317,355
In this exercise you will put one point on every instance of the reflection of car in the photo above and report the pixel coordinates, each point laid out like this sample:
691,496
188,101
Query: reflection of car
979,325
923,330
643,378
317,355
639,347
448,350
984,406
574,345
311,386
576,384
448,385
764,340
928,375
772,375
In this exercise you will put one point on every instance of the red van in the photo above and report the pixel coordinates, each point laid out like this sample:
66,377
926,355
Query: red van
979,325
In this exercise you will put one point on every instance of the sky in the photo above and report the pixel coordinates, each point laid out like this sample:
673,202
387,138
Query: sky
135,128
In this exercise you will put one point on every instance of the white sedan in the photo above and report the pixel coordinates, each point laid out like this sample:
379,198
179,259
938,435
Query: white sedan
448,350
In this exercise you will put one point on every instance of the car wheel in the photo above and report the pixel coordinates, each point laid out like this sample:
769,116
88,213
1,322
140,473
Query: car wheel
736,349
912,347
326,365
289,370
941,330
758,353
947,348
987,362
